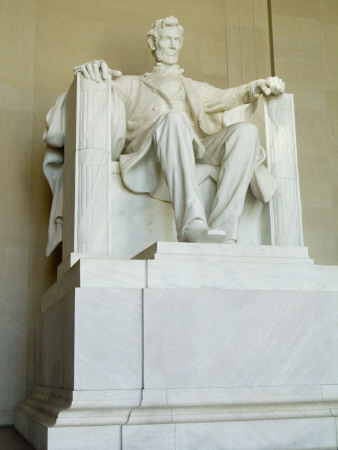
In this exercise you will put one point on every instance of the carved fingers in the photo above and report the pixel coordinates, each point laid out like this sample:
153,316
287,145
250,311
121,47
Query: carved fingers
276,85
265,88
114,73
271,85
96,70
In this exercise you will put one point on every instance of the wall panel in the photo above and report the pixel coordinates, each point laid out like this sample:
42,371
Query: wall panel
17,32
305,36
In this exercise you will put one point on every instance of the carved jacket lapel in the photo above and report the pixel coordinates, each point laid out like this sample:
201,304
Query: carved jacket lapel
154,82
196,106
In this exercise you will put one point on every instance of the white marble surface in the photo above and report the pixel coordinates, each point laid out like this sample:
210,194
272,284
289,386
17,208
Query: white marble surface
137,220
85,211
159,437
185,369
108,339
303,434
85,438
60,407
232,404
52,407
66,438
73,258
279,434
92,339
199,274
200,266
54,364
99,273
218,252
285,206
212,338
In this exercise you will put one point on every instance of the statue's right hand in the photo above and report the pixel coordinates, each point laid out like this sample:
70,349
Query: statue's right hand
96,70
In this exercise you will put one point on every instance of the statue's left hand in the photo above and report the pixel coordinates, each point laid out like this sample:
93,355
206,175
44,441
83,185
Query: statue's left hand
96,70
271,85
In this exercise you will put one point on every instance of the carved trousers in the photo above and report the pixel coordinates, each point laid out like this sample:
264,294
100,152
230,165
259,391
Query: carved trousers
234,149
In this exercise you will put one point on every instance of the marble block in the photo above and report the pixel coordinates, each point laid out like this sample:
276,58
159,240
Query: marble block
91,339
225,252
198,266
193,346
226,338
251,435
199,274
224,266
97,272
74,438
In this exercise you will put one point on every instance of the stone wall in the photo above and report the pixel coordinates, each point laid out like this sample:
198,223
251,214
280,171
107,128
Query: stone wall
305,45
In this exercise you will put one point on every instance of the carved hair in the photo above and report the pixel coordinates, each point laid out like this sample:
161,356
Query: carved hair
153,35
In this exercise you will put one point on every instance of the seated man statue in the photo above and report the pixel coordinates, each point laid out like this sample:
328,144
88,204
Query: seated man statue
172,122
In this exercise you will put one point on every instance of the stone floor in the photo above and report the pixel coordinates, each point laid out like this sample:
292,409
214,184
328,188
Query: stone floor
10,439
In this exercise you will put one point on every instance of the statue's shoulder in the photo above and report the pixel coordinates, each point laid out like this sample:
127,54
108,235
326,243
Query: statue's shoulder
197,86
194,83
127,85
127,79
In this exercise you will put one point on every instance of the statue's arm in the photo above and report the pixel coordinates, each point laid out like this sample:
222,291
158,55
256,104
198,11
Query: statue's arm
220,100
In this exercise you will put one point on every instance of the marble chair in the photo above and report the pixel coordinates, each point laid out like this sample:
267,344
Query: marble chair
102,217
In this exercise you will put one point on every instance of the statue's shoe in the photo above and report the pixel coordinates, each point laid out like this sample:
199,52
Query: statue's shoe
229,241
205,235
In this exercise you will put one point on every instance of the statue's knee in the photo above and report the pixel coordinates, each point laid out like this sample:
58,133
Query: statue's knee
247,130
247,136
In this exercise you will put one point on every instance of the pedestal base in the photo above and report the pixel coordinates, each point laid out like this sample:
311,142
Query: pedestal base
285,417
162,364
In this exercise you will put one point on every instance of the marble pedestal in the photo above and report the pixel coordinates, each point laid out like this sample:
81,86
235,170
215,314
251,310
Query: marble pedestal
188,346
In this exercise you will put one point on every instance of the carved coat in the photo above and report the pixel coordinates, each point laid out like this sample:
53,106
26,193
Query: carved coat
145,100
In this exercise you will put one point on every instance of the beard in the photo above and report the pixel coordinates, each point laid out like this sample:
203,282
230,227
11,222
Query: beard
162,57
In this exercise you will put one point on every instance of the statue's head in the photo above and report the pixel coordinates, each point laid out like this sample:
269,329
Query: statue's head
165,38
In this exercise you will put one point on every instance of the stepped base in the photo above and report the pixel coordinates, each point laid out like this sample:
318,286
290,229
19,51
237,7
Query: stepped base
196,347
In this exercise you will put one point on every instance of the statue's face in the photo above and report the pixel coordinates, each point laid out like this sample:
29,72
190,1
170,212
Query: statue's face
168,45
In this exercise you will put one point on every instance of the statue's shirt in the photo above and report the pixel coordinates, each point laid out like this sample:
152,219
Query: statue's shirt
171,85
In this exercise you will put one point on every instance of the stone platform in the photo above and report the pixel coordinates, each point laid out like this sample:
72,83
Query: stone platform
188,346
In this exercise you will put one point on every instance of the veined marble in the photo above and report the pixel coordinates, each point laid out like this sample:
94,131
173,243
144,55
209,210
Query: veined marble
226,338
250,435
91,339
200,266
185,368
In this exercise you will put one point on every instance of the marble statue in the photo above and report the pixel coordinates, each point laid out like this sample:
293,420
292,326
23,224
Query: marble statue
170,122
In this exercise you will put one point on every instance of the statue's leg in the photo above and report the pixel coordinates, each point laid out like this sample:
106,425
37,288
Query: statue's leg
235,150
173,142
